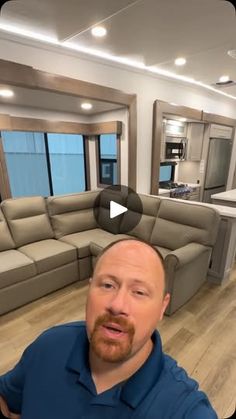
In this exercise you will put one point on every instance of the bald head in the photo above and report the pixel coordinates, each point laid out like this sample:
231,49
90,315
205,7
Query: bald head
134,251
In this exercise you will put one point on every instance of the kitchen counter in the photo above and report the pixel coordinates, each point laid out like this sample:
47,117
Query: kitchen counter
164,192
222,209
225,198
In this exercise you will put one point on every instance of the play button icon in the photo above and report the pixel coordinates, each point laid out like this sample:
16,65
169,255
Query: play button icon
118,209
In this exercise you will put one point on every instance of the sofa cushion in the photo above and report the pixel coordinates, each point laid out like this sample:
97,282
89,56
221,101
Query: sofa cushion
119,196
72,213
6,241
179,223
15,267
163,251
144,228
49,254
97,246
27,219
82,240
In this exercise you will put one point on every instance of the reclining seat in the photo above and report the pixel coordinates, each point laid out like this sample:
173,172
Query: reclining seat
32,233
14,267
73,220
185,236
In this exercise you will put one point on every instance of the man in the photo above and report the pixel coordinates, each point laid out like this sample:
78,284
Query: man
114,366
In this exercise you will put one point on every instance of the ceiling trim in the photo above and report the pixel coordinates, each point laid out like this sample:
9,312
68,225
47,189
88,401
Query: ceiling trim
25,76
15,123
218,119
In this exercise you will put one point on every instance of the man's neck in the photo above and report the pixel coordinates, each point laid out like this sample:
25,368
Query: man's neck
107,374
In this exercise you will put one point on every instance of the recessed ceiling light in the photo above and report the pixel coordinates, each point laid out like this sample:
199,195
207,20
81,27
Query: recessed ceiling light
180,61
6,93
224,79
87,106
99,31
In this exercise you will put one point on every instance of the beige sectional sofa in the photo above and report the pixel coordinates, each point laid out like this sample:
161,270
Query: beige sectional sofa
46,244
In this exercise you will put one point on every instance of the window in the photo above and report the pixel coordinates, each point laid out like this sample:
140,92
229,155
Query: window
108,159
44,164
26,162
67,163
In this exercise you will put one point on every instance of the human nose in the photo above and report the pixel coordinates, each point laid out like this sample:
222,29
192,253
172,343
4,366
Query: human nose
118,304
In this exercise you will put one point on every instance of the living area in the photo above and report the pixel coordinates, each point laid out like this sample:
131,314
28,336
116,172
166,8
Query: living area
54,241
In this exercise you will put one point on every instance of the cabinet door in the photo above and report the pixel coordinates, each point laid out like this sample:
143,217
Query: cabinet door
195,141
220,131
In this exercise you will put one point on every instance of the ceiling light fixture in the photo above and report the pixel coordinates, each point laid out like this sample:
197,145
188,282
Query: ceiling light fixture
99,31
224,79
180,61
87,106
6,93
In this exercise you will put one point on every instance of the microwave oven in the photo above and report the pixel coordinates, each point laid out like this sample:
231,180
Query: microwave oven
175,148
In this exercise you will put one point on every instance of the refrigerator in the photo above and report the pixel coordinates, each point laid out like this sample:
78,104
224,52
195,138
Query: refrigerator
217,168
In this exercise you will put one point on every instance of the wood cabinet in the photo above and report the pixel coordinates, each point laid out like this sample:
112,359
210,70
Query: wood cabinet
195,141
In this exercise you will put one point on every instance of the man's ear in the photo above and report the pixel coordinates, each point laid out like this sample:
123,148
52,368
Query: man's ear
165,303
90,279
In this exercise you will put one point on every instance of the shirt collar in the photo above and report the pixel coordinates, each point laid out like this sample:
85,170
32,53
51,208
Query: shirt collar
136,387
78,361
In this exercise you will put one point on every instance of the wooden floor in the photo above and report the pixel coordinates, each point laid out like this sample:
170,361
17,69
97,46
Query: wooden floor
201,335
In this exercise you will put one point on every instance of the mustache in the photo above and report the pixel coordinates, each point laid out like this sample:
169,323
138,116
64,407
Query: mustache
110,318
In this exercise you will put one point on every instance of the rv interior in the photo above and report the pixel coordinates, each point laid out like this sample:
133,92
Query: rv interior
166,131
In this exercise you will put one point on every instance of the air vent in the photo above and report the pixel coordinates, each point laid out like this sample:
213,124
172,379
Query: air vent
225,83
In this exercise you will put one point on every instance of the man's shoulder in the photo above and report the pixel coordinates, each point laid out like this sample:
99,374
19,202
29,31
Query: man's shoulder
177,375
61,336
183,394
66,330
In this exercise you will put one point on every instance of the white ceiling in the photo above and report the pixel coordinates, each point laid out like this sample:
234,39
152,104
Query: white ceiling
152,32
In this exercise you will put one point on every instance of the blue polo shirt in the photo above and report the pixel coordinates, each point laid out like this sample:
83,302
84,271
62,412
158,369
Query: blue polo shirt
53,381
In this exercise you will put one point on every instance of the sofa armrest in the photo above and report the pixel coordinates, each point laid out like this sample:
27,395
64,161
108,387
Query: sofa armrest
185,254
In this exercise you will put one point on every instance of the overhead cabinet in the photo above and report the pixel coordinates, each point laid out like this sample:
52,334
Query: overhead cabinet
220,131
195,141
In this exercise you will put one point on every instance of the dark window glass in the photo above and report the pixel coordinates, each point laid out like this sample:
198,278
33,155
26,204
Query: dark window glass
108,171
67,162
26,163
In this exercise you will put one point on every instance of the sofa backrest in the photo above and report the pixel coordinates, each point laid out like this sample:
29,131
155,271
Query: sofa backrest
6,241
27,219
150,206
119,196
179,223
72,213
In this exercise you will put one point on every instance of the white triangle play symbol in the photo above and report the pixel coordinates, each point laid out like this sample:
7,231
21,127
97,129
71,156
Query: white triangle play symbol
116,209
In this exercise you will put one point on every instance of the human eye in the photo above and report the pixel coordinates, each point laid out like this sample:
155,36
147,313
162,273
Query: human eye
107,285
140,293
